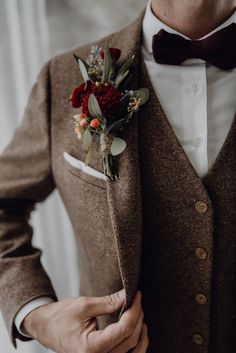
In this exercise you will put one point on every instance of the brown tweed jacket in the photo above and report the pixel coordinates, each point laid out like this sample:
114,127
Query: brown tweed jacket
106,216
165,231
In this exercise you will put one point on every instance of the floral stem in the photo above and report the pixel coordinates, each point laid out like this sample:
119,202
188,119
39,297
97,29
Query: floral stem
110,166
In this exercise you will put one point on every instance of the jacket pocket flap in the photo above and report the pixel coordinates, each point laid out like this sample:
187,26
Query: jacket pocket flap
82,166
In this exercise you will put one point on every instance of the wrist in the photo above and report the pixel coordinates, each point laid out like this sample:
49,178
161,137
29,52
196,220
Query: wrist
34,321
26,309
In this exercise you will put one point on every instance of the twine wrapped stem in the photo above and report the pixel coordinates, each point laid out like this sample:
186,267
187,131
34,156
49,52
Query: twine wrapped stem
109,162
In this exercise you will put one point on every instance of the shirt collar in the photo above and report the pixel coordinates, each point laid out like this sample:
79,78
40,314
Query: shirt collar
152,25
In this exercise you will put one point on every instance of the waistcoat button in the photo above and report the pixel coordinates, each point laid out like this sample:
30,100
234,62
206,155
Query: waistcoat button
197,339
200,253
200,298
201,206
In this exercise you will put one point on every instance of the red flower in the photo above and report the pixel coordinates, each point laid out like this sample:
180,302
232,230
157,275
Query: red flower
115,53
107,96
78,94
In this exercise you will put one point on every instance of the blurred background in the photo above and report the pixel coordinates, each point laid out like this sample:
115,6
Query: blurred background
32,31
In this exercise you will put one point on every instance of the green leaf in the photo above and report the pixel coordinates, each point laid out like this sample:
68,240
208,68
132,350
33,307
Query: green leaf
124,68
110,167
77,59
83,71
93,106
121,78
89,154
114,126
144,94
112,72
118,145
107,63
87,139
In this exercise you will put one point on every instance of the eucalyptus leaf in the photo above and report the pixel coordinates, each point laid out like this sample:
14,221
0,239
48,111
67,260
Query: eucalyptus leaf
77,59
124,68
118,146
121,78
110,167
83,70
142,93
107,63
89,154
93,106
87,139
127,83
112,71
114,126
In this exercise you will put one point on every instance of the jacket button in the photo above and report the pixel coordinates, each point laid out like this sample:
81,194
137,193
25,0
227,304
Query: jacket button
200,253
200,298
197,339
201,206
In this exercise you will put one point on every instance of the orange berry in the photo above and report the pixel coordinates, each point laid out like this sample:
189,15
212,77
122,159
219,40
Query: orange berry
95,123
82,116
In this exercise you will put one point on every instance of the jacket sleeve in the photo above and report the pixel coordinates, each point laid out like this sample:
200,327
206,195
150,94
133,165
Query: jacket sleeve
25,179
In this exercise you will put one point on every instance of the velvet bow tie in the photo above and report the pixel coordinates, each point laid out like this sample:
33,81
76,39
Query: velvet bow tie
219,49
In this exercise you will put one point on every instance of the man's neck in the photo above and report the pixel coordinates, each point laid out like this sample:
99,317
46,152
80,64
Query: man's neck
193,18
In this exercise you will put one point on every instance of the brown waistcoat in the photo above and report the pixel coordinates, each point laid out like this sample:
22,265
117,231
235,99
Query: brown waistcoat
188,272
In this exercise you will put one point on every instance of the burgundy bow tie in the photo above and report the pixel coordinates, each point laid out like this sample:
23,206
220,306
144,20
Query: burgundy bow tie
219,49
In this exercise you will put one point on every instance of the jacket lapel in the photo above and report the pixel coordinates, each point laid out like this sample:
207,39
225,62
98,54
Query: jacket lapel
124,195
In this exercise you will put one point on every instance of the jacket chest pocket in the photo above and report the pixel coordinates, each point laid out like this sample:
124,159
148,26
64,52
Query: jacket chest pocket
86,173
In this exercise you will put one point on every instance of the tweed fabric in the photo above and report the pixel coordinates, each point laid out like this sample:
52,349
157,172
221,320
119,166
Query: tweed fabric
131,239
171,274
32,165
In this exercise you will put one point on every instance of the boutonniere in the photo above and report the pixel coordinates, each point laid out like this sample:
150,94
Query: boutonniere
105,105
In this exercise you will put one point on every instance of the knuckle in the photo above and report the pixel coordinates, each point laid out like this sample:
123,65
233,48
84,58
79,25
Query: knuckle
87,346
128,329
110,300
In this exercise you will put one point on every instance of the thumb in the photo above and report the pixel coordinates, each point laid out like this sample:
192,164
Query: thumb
108,304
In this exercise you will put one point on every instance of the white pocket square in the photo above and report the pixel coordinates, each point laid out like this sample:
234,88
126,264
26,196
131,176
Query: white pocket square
76,163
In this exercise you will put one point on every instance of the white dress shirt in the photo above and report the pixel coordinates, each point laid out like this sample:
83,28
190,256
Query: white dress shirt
198,99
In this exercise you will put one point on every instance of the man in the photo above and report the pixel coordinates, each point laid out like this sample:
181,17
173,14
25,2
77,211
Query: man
166,227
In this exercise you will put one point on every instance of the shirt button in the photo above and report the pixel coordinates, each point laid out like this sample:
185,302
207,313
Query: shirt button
197,142
200,253
200,299
195,88
201,206
197,339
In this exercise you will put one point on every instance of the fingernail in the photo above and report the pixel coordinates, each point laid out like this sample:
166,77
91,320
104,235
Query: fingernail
121,294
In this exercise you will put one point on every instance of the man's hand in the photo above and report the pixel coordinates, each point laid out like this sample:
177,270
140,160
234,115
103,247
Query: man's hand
70,326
